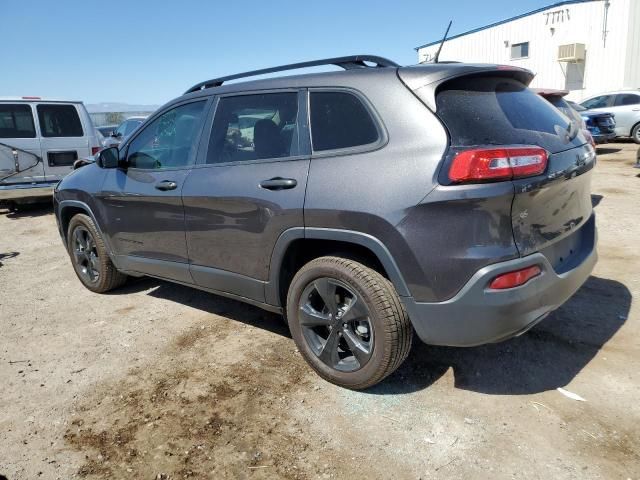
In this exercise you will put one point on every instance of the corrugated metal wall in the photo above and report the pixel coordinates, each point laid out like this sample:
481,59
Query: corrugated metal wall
608,64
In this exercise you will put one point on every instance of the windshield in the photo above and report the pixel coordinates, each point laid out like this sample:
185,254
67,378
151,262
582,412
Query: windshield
576,106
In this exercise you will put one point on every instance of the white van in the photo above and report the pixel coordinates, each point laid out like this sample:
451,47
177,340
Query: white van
39,142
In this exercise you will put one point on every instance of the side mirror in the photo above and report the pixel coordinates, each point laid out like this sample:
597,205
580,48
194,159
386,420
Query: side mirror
108,158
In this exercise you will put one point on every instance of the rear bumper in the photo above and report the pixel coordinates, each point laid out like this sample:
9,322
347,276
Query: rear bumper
603,137
21,191
477,315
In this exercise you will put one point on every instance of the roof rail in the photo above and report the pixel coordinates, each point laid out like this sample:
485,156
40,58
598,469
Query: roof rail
348,63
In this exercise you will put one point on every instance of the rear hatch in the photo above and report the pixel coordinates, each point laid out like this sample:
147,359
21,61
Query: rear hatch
493,110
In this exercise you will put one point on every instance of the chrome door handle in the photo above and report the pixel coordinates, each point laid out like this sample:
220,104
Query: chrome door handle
166,185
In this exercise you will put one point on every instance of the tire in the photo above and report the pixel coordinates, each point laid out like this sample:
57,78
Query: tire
370,329
89,256
635,133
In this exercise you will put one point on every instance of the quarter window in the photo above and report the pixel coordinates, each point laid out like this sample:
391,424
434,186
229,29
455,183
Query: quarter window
519,50
340,120
252,127
16,121
59,121
168,141
627,99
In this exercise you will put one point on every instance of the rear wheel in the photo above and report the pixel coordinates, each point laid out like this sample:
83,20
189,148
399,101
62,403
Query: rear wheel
89,256
348,322
635,133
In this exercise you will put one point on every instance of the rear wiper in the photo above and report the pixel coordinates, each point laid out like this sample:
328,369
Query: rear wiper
572,131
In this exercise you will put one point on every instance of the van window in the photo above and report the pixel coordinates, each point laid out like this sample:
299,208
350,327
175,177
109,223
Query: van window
340,120
168,141
252,127
59,121
16,121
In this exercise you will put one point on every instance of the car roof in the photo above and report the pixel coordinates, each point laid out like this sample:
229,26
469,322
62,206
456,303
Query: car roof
422,74
136,117
615,92
28,99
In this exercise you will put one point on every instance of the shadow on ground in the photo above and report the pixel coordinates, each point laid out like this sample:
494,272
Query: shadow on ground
607,150
548,356
545,358
207,302
30,211
5,256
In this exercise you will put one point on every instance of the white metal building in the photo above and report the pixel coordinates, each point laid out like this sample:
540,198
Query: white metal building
585,46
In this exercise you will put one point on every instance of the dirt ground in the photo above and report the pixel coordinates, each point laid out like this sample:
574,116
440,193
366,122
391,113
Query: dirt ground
159,381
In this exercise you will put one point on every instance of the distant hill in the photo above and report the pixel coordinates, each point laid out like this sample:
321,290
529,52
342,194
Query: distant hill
106,107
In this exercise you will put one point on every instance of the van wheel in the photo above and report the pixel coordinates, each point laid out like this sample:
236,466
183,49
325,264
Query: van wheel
348,322
635,133
89,256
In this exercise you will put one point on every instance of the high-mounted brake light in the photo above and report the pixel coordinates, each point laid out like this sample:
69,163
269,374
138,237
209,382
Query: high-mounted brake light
492,164
31,98
514,279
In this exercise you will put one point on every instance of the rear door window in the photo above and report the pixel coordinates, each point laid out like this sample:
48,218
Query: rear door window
340,120
59,121
627,99
503,111
16,121
254,127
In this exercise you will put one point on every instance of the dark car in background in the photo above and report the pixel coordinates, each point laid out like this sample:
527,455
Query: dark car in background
602,125
447,200
599,125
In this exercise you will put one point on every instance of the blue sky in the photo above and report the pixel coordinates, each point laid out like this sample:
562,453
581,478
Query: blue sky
147,52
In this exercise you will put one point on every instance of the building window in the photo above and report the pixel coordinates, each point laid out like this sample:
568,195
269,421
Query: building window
519,50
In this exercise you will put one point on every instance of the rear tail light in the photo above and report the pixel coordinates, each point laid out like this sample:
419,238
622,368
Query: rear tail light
492,164
514,279
95,150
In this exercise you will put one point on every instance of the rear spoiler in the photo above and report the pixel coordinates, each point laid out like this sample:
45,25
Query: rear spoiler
427,78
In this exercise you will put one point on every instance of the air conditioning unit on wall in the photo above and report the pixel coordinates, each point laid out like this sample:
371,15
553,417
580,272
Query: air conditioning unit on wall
572,52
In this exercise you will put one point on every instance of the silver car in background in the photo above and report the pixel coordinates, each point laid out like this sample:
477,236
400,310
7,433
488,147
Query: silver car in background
624,105
123,130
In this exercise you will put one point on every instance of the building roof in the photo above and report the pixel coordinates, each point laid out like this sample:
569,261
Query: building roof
532,12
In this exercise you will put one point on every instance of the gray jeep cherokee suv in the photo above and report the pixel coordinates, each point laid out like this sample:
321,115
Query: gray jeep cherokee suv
362,204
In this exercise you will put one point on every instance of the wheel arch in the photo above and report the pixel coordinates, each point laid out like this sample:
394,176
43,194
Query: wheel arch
297,246
70,208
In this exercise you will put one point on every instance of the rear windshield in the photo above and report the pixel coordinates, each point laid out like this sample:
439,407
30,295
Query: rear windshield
503,111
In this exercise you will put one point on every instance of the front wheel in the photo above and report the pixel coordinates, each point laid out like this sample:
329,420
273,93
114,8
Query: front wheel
635,133
348,322
89,256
